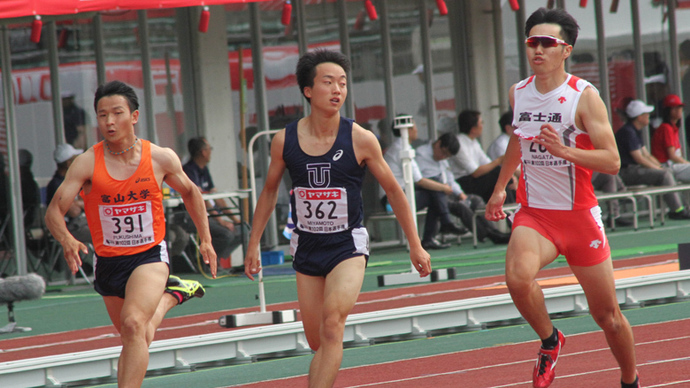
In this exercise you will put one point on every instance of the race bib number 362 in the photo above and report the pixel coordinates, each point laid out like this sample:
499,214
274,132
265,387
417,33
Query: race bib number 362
127,225
321,210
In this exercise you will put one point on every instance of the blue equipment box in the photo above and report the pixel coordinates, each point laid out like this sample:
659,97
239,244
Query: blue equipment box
272,257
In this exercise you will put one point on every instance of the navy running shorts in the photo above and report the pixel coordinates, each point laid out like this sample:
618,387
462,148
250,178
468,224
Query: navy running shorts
112,273
318,254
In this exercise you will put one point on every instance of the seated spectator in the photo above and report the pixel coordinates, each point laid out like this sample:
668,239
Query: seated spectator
608,183
75,120
432,161
471,167
638,166
225,235
64,155
498,147
31,193
665,141
437,207
36,244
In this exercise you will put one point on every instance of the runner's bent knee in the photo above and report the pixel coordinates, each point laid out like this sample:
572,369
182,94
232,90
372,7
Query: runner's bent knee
608,319
519,277
134,325
332,327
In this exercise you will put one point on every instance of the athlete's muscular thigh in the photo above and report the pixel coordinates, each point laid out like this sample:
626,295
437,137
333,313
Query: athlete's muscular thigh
145,289
527,253
343,285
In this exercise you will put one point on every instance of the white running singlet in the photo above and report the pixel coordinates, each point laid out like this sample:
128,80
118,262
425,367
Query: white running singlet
550,182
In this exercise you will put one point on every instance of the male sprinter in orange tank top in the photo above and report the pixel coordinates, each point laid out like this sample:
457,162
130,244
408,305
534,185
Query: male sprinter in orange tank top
120,180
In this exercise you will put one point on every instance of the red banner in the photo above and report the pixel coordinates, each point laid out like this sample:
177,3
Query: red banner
19,8
679,3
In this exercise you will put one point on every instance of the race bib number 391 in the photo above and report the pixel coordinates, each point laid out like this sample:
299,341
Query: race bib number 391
127,225
321,210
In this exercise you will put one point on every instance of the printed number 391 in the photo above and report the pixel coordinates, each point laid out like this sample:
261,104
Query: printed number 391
129,222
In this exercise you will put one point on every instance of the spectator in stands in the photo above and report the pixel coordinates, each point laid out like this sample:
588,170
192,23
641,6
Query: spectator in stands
471,167
64,155
31,205
684,54
31,193
608,183
656,81
499,145
665,141
433,164
429,194
638,166
74,118
225,227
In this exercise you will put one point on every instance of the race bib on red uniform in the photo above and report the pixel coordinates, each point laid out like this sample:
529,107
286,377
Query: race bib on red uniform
321,210
128,225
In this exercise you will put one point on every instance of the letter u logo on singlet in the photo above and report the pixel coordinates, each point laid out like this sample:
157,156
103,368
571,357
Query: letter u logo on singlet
319,174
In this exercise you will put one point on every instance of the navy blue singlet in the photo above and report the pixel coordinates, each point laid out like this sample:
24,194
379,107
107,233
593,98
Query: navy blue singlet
327,208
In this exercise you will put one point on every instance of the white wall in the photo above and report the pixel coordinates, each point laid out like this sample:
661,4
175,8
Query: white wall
215,101
484,62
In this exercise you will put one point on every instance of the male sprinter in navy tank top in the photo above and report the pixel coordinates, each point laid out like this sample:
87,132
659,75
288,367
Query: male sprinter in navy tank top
326,155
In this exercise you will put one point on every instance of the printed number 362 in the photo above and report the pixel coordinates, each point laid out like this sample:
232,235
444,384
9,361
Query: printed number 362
319,212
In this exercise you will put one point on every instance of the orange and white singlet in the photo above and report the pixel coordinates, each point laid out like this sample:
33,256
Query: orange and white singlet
125,216
550,182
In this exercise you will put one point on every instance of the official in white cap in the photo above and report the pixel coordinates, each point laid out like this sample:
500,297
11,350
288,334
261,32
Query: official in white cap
638,166
64,155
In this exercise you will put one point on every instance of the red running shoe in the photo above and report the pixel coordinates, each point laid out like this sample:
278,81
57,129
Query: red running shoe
546,362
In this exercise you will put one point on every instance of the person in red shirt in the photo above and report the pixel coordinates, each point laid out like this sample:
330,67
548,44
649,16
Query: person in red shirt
666,142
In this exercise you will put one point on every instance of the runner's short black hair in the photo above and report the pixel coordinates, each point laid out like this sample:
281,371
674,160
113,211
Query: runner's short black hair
306,66
569,26
118,88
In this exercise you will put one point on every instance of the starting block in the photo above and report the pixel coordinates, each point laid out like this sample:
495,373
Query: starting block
257,318
413,277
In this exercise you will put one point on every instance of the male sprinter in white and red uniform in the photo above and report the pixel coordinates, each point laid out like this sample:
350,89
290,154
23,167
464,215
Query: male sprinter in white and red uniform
562,134
120,180
326,156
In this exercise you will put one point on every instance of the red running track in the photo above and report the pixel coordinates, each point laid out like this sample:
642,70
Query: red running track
106,336
586,361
